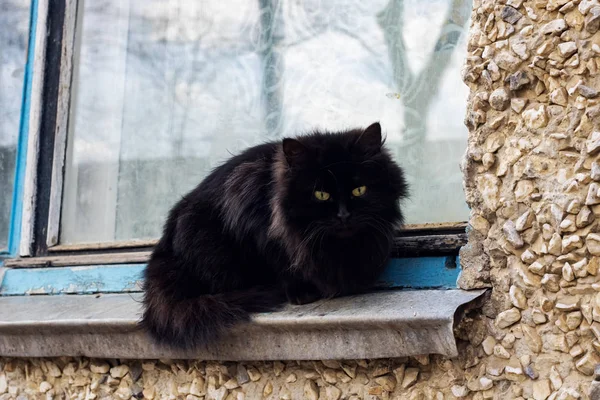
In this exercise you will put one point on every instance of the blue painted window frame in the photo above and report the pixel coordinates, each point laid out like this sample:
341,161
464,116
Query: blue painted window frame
16,212
414,272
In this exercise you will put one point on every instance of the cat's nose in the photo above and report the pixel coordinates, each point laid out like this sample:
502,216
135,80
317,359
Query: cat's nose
343,213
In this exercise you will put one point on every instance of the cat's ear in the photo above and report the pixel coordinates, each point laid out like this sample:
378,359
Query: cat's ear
293,150
370,139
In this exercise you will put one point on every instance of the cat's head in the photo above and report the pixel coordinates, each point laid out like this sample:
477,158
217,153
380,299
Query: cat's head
341,183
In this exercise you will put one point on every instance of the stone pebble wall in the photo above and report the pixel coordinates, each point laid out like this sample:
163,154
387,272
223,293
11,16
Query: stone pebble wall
532,179
68,378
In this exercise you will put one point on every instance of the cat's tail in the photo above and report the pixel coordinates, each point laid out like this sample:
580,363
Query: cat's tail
194,322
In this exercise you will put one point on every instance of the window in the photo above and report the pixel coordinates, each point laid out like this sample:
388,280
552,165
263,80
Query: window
14,34
141,98
162,92
129,103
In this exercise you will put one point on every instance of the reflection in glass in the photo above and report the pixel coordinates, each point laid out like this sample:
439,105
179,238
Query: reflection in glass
166,90
14,34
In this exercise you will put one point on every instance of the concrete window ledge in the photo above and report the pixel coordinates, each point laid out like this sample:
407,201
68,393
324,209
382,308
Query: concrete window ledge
375,325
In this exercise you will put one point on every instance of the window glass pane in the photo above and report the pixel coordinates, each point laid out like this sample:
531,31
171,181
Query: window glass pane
166,90
14,35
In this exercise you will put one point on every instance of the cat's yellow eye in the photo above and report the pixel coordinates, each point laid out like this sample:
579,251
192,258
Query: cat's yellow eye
322,196
359,191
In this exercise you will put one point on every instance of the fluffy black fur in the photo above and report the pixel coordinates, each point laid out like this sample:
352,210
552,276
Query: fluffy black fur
253,235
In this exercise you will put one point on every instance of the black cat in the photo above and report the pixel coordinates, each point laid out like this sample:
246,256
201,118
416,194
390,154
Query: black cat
299,219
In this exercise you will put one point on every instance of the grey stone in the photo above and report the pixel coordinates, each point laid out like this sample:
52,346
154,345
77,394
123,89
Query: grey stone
485,383
330,376
594,393
136,371
592,197
585,217
460,391
587,92
527,257
567,304
242,374
254,374
551,282
137,391
559,96
119,371
567,272
123,393
586,5
510,15
537,268
518,104
555,378
519,46
573,320
501,352
541,389
495,366
567,49
595,172
555,245
99,367
530,372
197,386
532,338
517,297
511,234
592,20
506,61
587,363
508,318
518,80
580,268
488,345
231,384
45,386
555,4
556,26
388,382
570,243
499,99
592,243
3,383
332,393
488,160
267,390
410,377
536,118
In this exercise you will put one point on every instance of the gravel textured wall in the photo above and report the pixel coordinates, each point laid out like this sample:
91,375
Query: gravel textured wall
532,179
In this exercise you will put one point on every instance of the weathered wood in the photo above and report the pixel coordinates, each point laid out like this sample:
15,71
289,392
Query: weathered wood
405,246
126,244
35,103
414,273
422,230
83,259
62,122
429,244
435,226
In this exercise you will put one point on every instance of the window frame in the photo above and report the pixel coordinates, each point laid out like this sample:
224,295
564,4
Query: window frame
20,219
26,321
47,150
